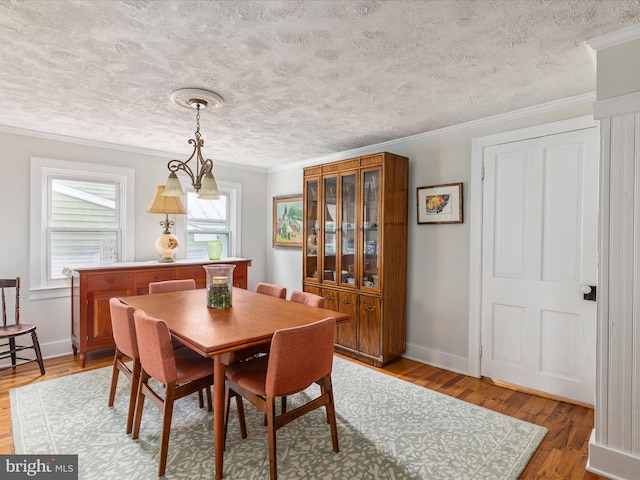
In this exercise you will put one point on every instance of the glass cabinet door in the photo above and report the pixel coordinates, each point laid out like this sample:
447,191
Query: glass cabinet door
311,229
348,213
330,218
370,229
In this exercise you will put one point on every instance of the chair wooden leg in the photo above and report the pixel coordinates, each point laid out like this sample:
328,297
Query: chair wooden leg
243,424
327,389
133,394
36,347
167,413
283,404
114,377
200,399
12,349
144,378
209,402
271,429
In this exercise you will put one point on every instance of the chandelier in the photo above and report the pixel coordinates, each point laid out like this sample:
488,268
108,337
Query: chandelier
202,179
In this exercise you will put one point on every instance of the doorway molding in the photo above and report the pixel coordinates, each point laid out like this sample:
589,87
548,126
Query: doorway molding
478,146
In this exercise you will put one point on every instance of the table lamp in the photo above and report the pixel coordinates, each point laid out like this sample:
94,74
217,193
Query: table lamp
167,243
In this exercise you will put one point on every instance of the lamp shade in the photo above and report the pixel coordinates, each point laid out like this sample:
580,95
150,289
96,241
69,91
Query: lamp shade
173,186
165,204
209,189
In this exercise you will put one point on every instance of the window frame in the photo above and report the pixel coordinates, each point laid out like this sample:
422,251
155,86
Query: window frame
44,169
234,190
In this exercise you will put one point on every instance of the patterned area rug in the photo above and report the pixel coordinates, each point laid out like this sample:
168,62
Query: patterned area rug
387,428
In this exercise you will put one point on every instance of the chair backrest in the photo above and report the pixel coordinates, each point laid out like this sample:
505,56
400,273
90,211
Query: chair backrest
10,283
272,290
299,356
155,347
124,329
172,286
307,298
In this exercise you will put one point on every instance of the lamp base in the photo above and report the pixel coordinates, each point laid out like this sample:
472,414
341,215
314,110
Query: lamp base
166,245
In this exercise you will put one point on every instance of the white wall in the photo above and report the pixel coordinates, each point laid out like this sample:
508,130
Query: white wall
438,271
53,316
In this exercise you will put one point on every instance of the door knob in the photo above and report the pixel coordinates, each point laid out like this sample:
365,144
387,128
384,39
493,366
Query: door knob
589,292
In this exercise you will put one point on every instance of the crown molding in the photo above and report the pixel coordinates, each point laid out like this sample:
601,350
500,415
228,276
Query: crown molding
114,146
615,106
618,37
589,97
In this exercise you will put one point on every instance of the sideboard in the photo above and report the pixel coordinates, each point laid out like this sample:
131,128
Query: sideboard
91,289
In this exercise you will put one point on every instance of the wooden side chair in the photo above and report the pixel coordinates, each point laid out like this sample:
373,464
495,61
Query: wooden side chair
9,331
181,373
271,289
307,298
172,286
299,357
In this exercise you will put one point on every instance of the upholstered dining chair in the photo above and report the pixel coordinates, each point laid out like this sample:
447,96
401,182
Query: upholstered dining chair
124,336
307,298
299,357
178,286
180,371
172,286
10,331
271,289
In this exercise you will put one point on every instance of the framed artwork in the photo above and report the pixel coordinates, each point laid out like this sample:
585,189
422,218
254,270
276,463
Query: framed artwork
440,203
287,221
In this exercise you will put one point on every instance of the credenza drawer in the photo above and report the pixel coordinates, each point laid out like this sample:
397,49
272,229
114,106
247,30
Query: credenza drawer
143,279
104,281
197,273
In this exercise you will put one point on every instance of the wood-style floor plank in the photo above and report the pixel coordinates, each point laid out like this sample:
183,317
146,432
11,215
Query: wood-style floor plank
561,455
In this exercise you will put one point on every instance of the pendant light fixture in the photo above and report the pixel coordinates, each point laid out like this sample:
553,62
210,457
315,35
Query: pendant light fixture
202,179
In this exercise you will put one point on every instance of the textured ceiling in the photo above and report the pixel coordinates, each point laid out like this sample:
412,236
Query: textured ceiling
300,79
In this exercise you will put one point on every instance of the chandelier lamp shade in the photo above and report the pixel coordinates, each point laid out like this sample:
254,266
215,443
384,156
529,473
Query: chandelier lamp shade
167,243
202,179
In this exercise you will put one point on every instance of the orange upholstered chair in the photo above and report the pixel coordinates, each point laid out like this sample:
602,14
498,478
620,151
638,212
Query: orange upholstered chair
9,331
272,290
124,336
299,357
181,371
307,298
172,286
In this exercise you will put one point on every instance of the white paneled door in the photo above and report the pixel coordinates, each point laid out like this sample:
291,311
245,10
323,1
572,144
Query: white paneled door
540,212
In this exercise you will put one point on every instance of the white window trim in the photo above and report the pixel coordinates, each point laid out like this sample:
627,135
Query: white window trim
41,170
234,190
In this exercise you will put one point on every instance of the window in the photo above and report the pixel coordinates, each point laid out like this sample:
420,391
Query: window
79,218
211,220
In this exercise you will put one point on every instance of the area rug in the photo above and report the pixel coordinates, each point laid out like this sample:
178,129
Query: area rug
387,428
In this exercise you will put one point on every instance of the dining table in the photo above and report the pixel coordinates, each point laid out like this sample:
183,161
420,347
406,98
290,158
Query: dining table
251,320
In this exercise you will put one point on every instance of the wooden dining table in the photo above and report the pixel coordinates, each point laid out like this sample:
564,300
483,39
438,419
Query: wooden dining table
252,320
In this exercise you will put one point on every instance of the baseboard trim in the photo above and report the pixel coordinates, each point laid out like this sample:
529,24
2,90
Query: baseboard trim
436,358
610,463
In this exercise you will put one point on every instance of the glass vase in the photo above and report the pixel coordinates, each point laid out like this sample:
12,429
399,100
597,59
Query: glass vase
219,285
214,249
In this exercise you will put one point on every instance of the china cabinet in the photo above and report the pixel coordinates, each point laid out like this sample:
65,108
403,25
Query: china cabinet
355,250
91,289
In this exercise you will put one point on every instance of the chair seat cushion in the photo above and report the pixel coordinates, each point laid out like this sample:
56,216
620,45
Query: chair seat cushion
13,330
251,374
191,366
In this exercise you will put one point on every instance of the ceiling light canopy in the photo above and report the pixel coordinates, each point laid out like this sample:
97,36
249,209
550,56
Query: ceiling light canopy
202,179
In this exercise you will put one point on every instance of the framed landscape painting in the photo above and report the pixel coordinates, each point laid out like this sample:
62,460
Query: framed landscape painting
287,221
440,203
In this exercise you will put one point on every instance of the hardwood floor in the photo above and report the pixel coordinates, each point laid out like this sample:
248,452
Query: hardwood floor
561,455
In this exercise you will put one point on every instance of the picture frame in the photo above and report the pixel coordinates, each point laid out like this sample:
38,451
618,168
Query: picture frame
440,203
287,221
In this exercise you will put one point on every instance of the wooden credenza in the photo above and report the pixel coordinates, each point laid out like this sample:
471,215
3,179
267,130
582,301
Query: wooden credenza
92,288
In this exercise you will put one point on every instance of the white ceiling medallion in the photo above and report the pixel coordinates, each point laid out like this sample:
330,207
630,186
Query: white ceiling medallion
192,97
